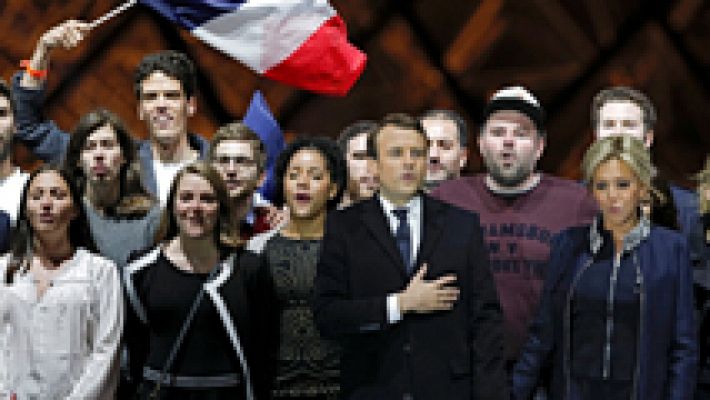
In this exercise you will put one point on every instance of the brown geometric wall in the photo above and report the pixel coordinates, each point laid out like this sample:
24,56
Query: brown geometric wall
422,54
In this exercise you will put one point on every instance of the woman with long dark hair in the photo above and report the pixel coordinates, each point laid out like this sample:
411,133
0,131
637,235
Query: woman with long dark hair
310,179
101,161
61,309
193,325
616,317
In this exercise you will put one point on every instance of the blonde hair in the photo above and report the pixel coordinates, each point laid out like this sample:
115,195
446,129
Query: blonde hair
627,149
703,178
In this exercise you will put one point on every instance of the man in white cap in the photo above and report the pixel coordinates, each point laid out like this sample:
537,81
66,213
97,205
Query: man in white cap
520,208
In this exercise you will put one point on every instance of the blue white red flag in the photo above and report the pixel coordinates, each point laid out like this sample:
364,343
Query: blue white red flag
260,119
302,43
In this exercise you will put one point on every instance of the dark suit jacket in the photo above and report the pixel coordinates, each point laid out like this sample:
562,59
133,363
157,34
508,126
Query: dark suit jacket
456,354
5,232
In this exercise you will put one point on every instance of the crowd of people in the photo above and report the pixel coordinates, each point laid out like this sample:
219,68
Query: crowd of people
147,270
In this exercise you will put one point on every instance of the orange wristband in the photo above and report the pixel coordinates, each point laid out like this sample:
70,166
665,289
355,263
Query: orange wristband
35,73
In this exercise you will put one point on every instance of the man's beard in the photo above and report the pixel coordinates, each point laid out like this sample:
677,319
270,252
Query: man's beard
244,195
509,178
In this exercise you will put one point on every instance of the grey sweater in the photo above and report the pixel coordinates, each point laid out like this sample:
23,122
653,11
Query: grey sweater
117,238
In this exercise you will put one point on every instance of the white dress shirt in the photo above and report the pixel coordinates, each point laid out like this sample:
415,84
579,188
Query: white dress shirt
414,217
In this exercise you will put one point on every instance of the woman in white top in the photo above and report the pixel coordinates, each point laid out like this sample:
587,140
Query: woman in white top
61,307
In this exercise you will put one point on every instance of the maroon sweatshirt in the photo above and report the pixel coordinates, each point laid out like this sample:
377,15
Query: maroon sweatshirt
518,230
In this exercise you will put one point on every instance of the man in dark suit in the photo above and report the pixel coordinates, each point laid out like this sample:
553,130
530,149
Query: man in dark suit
403,283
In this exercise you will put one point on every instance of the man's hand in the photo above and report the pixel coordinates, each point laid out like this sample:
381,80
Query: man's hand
276,217
68,35
422,296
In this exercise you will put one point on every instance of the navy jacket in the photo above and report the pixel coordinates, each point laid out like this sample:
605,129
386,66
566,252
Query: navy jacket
49,143
667,346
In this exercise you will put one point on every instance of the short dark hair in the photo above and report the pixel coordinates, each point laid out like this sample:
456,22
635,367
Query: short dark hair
170,62
355,129
6,92
624,93
334,160
135,201
239,131
453,116
399,120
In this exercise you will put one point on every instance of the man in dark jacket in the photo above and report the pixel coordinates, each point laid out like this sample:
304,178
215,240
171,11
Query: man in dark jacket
403,283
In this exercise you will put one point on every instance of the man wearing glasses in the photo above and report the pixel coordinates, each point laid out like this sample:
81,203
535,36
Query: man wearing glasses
239,155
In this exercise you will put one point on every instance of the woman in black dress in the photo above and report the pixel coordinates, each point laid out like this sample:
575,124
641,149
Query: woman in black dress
195,256
310,178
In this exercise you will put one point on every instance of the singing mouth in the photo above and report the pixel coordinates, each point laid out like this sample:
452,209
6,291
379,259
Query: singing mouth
303,197
232,183
46,218
100,170
163,121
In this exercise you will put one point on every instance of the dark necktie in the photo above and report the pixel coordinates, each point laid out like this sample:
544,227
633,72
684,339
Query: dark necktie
404,241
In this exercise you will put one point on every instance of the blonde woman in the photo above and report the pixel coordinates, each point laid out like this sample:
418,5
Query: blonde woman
616,317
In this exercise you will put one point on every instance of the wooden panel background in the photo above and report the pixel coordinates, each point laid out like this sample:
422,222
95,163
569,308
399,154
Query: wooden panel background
423,54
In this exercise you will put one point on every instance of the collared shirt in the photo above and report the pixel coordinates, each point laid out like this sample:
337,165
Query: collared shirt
414,217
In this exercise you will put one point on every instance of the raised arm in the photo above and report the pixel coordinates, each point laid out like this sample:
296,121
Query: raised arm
41,136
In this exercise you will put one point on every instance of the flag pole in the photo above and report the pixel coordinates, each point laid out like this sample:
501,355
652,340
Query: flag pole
112,13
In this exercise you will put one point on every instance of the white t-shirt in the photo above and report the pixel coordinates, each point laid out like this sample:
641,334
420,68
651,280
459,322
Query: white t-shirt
11,191
164,175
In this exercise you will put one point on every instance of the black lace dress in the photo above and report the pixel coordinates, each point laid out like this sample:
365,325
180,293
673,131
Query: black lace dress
307,366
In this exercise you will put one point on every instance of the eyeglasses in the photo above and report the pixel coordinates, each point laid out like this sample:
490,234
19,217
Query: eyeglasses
239,161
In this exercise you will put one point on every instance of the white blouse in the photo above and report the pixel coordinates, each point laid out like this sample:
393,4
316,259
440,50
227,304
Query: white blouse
64,344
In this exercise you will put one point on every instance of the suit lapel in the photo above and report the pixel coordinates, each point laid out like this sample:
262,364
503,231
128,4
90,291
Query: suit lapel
432,226
376,222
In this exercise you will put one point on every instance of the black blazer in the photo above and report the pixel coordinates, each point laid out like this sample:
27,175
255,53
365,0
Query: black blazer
456,354
240,287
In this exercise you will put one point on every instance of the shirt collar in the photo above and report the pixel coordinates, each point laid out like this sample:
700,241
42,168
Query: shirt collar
632,239
413,205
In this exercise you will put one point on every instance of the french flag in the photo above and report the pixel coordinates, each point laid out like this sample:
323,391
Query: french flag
262,121
302,43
